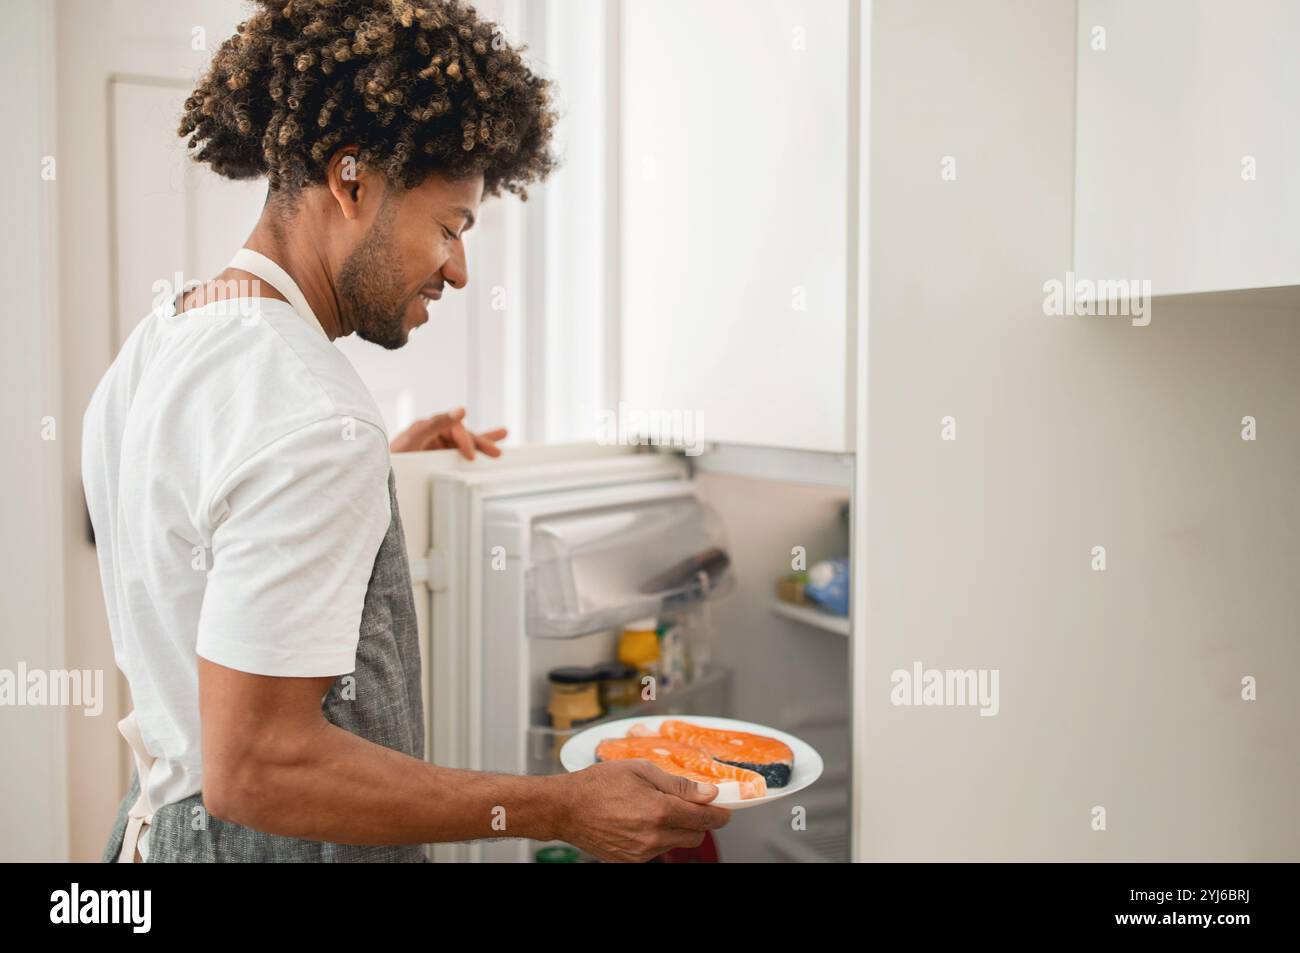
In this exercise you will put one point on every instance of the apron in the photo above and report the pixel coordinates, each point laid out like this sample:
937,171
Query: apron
383,704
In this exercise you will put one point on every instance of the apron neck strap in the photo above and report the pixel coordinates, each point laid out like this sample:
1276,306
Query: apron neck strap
255,263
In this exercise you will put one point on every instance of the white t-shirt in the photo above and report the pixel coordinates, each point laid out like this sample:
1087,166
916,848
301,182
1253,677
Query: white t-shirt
236,470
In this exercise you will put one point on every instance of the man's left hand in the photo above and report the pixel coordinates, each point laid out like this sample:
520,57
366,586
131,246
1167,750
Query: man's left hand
445,431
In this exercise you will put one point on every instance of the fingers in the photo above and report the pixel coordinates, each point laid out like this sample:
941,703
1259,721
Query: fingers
685,839
430,435
685,816
467,441
447,431
464,441
439,423
681,787
438,435
643,849
688,807
487,442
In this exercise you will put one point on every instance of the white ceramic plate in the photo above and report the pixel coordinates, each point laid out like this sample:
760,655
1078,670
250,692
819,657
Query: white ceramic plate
580,752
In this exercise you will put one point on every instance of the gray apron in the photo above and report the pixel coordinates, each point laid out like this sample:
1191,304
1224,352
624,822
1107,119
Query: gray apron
386,707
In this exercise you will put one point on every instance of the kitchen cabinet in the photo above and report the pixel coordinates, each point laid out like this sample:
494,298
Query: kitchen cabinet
1188,144
737,216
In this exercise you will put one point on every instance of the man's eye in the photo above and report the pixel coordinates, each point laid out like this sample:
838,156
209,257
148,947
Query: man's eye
451,237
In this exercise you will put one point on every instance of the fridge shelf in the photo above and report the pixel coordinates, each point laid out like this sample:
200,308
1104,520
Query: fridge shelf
822,843
708,694
811,615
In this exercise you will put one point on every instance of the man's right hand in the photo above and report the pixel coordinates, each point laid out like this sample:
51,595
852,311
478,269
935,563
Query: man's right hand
632,811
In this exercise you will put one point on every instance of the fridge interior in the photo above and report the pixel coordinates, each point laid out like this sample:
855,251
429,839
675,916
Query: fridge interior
750,657
790,670
472,531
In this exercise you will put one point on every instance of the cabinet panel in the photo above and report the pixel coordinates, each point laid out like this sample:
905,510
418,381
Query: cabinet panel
735,215
1184,104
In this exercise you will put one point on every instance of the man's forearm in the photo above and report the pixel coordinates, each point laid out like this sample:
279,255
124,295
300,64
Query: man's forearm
335,786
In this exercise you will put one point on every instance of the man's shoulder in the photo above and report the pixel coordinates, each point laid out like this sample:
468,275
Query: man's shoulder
217,388
264,361
300,360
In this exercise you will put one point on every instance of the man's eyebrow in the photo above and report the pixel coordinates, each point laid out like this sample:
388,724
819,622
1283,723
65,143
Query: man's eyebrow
467,215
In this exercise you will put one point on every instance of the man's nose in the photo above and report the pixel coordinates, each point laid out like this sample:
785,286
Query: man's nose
454,271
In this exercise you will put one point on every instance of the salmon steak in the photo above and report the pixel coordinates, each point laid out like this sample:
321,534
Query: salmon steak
680,759
766,756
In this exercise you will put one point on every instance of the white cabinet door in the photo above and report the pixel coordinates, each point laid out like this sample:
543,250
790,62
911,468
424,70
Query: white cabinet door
1188,143
736,211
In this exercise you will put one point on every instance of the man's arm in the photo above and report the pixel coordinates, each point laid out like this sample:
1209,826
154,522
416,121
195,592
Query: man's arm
271,761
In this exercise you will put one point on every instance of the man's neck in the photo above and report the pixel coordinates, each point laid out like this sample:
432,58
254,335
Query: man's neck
305,264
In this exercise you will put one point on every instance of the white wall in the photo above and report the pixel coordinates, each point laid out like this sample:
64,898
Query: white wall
1120,688
33,795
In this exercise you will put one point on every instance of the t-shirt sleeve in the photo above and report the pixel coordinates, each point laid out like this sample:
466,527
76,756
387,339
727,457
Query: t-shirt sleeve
298,526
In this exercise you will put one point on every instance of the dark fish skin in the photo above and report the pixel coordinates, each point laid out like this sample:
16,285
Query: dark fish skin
776,775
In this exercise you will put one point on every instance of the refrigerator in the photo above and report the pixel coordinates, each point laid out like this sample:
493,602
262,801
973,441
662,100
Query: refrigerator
536,560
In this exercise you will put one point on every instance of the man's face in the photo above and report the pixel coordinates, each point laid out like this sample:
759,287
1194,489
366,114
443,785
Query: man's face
413,249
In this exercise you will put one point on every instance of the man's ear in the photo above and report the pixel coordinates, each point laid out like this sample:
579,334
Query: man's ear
347,182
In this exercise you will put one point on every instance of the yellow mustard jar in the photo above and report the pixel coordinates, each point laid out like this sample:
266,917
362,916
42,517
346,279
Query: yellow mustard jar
639,646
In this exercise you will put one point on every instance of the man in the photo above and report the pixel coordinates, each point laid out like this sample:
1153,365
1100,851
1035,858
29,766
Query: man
238,477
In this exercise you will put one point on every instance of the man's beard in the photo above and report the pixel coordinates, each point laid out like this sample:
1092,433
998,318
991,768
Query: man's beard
371,300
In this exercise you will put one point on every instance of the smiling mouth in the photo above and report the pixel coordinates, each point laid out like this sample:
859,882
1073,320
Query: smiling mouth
429,297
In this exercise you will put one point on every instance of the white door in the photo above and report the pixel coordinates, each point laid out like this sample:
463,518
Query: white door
737,204
131,215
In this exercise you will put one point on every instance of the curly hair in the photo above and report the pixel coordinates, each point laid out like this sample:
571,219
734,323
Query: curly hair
419,86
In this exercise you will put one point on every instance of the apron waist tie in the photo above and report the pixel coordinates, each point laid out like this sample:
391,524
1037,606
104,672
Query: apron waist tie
141,813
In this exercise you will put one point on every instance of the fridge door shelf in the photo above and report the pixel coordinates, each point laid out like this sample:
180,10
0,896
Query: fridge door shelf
708,694
596,569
